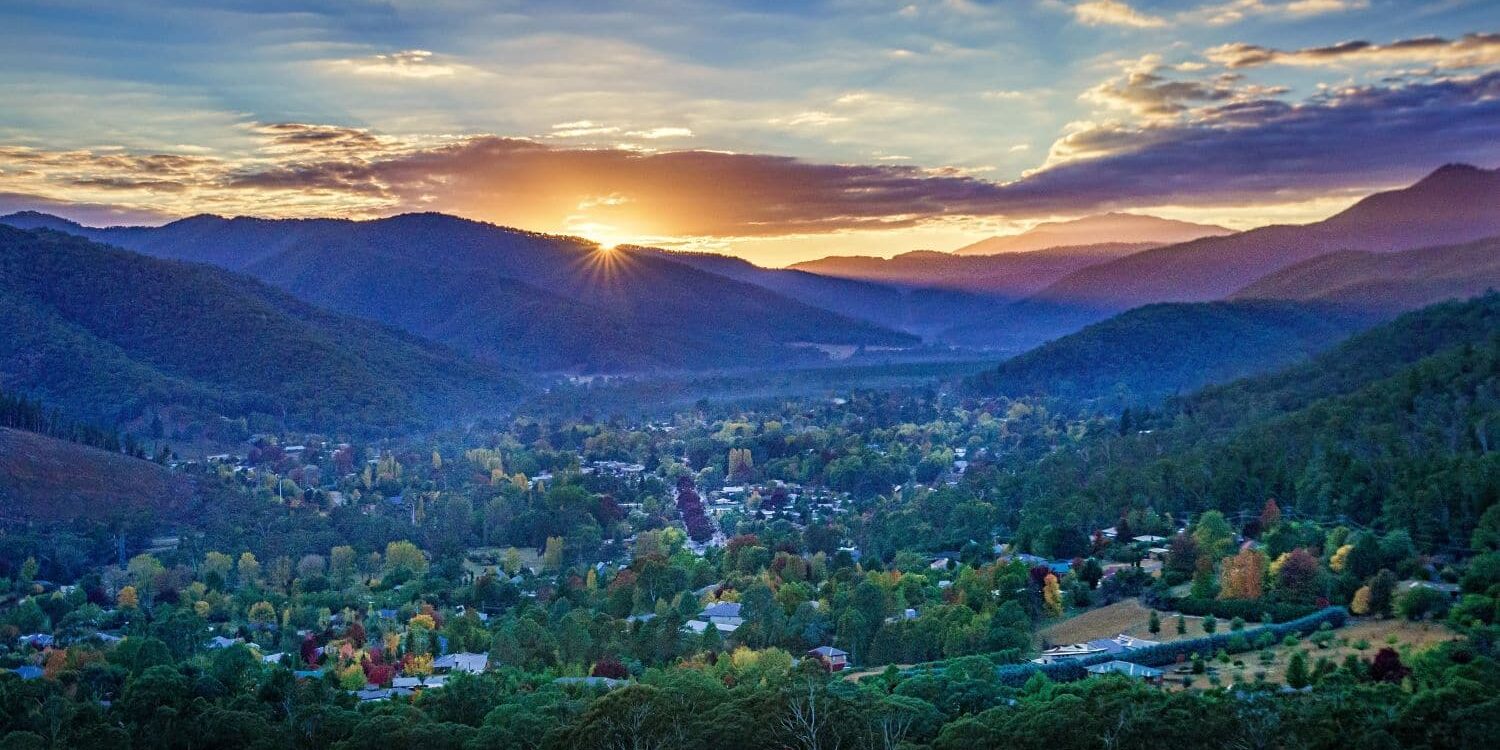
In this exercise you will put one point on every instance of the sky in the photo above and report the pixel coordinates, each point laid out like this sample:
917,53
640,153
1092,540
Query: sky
776,131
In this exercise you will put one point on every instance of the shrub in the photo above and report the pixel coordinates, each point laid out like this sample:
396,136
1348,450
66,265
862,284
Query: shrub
1245,610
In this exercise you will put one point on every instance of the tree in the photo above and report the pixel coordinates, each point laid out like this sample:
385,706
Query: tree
1296,671
1486,534
1270,514
341,564
1214,535
1181,625
1243,576
1052,596
216,568
1209,624
511,562
127,598
1091,573
1382,592
552,555
1153,625
1387,666
248,569
1421,601
403,557
262,613
1360,603
1297,575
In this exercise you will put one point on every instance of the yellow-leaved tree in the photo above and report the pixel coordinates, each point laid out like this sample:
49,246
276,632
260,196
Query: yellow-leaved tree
552,555
1052,596
1360,604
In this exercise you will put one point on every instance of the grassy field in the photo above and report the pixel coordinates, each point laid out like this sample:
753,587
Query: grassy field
1127,616
1361,637
46,479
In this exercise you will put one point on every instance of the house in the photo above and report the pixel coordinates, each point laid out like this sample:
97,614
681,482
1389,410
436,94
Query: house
1120,644
435,681
273,658
723,614
1071,652
409,683
37,640
220,641
29,672
907,614
1149,539
1452,590
1128,669
462,662
835,659
699,626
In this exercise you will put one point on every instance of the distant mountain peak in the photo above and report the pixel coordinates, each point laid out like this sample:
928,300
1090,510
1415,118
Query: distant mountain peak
1097,229
39,220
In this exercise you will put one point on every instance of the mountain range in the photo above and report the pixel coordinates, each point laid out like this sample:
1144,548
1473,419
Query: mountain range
534,302
1110,228
1006,276
1386,282
521,299
1454,204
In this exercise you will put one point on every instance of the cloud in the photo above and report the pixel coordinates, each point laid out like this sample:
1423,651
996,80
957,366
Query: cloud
410,64
1351,138
1234,11
655,133
90,214
1115,13
581,129
1216,141
1145,90
1468,51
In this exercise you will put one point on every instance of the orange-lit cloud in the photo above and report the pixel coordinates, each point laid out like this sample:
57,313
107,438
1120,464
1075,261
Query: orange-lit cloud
1191,144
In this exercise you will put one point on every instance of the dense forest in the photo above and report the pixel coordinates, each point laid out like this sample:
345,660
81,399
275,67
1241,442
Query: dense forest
1147,354
115,338
1395,428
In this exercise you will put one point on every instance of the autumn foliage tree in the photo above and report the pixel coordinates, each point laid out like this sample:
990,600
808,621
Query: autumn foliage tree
1243,576
1270,515
1052,596
1387,666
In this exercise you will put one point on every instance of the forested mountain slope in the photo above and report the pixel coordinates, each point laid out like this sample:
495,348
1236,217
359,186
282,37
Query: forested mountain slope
532,301
1151,352
1387,282
1396,428
114,337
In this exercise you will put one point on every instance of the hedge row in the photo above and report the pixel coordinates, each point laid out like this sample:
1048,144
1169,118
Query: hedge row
1163,654
1244,640
1228,609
